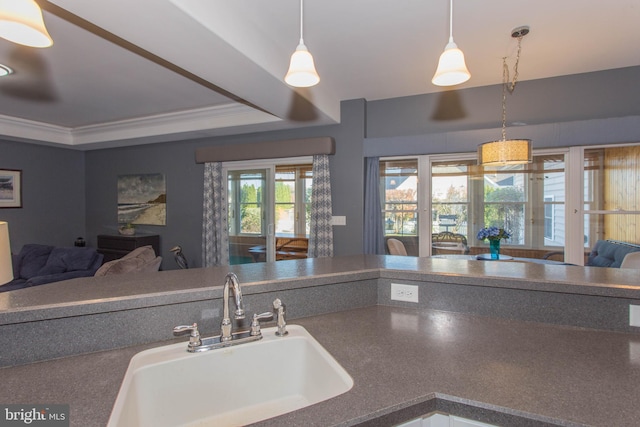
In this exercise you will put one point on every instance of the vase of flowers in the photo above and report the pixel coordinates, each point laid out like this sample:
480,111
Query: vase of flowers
494,235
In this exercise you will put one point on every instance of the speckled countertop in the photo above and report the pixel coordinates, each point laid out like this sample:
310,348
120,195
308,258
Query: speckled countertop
404,360
99,294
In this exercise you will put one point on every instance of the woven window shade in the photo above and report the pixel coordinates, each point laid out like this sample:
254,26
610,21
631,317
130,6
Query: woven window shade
266,150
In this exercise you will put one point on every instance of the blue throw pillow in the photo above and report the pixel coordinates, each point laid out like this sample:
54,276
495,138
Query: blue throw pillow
79,258
32,258
55,263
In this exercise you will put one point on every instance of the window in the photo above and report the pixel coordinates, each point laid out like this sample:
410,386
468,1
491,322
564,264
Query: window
611,197
529,200
466,197
450,196
399,179
293,199
246,201
548,218
565,201
268,206
399,186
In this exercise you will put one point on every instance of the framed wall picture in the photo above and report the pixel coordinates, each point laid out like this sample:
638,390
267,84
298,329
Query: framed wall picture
142,199
10,188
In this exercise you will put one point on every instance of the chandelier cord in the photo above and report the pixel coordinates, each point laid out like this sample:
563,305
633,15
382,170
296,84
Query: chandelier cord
301,20
451,21
508,86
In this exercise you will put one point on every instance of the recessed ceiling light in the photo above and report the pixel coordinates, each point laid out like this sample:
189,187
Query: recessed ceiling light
4,70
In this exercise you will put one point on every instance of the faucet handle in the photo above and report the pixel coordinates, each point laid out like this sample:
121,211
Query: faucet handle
255,325
282,324
194,336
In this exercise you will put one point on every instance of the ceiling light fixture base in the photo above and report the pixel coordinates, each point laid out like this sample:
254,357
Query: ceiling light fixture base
520,31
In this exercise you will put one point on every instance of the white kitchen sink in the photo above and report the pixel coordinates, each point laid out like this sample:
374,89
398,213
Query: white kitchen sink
231,386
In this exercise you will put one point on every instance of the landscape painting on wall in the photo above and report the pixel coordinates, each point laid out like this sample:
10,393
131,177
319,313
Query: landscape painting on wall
10,188
142,199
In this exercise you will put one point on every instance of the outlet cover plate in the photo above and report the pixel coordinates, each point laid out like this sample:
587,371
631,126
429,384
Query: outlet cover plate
407,293
634,315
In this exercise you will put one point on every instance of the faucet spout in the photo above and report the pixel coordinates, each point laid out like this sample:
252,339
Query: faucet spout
231,282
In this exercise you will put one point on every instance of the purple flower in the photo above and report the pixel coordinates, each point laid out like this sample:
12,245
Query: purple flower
493,233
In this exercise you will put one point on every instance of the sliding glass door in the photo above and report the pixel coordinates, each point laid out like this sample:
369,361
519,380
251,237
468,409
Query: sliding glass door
269,203
250,201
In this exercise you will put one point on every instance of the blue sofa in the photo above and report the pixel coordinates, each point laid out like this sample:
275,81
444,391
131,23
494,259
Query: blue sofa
610,253
39,264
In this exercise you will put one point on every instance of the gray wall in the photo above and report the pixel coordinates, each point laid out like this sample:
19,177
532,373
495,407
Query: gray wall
185,184
599,95
53,194
589,108
583,109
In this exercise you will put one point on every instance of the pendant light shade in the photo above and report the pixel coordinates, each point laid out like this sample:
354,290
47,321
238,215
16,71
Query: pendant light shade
21,22
302,71
505,152
452,69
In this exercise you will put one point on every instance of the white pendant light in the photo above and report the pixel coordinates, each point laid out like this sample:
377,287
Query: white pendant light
452,69
507,151
302,70
21,22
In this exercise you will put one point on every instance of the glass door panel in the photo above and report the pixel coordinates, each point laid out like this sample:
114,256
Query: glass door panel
250,218
399,195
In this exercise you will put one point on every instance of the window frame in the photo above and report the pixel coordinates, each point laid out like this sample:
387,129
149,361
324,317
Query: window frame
270,166
475,198
299,204
415,211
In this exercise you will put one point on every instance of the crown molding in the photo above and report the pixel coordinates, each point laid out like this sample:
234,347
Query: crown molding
196,120
180,122
19,129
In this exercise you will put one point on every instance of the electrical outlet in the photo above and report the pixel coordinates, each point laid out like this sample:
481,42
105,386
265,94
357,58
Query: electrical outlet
339,220
408,293
634,315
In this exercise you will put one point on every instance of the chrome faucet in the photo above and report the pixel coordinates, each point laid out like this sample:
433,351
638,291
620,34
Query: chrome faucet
231,280
227,337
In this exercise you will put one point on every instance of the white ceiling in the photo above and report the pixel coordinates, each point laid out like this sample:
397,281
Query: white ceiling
140,71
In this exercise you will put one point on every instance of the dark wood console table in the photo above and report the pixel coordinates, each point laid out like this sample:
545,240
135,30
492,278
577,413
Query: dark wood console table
114,246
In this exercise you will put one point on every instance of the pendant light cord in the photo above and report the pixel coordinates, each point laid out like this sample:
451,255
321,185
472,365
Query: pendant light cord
301,21
512,84
508,86
451,21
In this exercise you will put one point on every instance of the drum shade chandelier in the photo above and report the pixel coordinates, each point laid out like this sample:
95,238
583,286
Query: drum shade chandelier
507,151
302,71
21,22
452,69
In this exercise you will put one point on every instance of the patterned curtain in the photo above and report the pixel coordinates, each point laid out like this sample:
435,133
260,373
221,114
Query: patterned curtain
321,233
373,221
215,230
